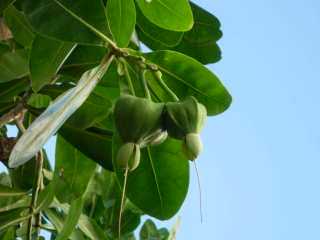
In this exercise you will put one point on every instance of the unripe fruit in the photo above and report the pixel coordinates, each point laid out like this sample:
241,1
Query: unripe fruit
192,146
128,156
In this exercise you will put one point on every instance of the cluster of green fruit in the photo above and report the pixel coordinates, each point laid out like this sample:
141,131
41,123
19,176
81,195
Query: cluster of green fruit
141,122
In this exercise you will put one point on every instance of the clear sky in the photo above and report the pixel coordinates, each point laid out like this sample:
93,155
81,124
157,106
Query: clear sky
261,163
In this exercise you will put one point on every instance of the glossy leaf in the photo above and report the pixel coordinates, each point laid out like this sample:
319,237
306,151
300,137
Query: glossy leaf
172,15
46,58
155,37
160,184
149,231
54,116
121,16
13,65
201,41
78,21
73,170
71,220
186,76
19,26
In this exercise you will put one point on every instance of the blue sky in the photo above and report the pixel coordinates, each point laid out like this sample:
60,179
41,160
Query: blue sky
260,166
259,169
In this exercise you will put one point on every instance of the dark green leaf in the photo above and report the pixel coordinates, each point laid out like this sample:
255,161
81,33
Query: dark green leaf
71,220
39,100
95,145
160,184
13,65
4,4
74,21
12,217
172,15
155,37
9,90
46,58
6,191
73,170
121,16
149,231
19,26
91,229
200,41
186,76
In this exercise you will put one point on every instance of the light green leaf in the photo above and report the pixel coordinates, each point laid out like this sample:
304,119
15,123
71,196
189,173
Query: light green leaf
121,16
201,41
46,58
160,184
73,170
55,115
91,229
71,220
172,15
80,21
155,37
186,76
19,26
13,65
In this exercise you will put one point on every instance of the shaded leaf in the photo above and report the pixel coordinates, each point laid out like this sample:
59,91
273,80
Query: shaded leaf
84,19
13,65
186,76
9,90
73,170
46,58
121,16
19,26
168,14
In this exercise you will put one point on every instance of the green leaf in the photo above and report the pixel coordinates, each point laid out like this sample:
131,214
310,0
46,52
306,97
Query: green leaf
39,100
91,229
71,220
49,122
97,145
200,41
186,76
46,58
9,90
78,21
8,235
155,37
149,231
171,15
121,16
160,184
13,65
4,4
73,170
12,217
19,26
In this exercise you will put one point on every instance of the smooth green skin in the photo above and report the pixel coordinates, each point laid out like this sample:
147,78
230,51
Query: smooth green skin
54,18
72,173
184,117
71,220
154,36
128,156
46,58
136,118
19,26
13,65
121,15
160,183
192,146
171,15
187,77
200,41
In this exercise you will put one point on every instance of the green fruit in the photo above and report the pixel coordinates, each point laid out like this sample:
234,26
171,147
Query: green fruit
137,118
128,156
185,117
192,146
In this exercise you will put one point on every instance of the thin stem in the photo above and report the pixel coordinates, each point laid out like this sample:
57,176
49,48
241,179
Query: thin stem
127,76
145,85
122,201
200,191
165,86
35,192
